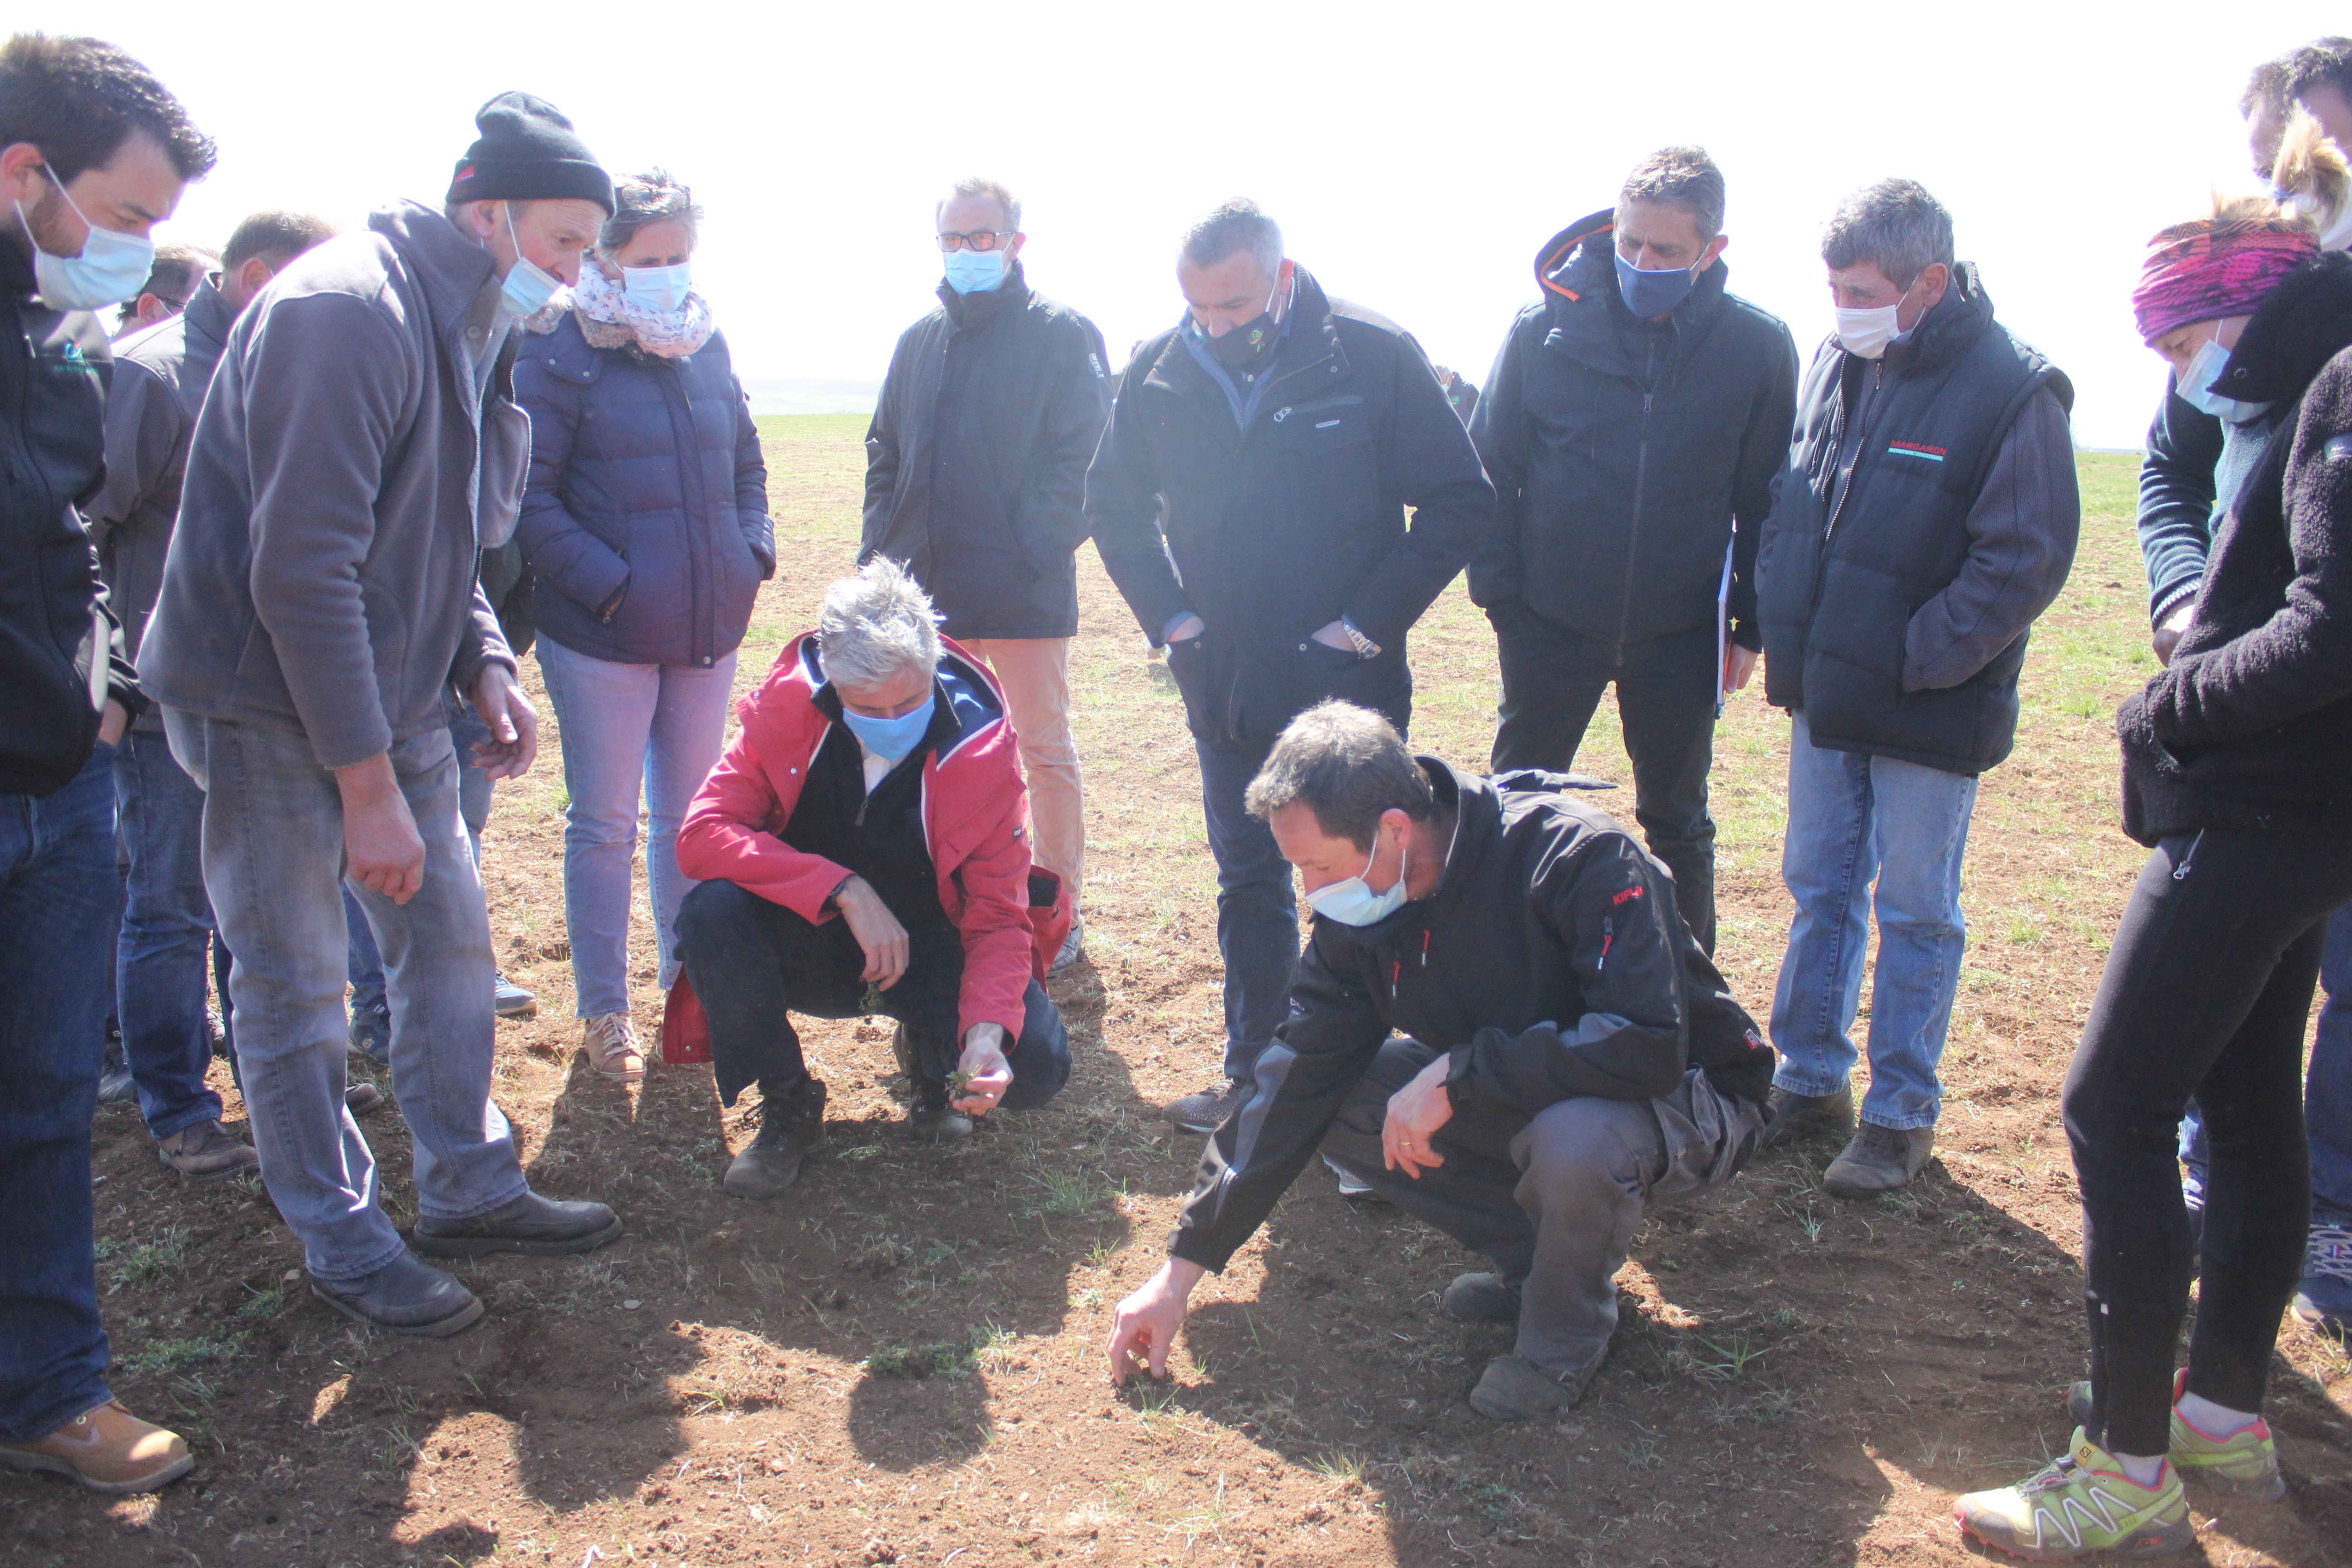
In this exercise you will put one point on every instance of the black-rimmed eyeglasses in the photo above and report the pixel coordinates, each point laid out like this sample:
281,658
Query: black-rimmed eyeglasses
978,239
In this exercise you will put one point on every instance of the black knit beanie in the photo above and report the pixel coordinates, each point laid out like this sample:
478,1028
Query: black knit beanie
529,152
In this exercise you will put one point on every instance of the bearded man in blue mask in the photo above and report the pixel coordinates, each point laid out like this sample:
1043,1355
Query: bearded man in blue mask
1502,1025
1633,425
863,848
1250,500
359,447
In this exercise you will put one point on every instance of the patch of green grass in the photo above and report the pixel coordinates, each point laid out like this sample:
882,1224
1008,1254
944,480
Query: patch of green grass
176,1354
155,1259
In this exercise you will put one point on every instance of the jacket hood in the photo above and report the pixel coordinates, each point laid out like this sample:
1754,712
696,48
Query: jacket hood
2298,327
449,268
1578,265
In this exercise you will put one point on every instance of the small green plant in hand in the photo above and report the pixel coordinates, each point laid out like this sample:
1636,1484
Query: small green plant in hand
872,1003
958,1084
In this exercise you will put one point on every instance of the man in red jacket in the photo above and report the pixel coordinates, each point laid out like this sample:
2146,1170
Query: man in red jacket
864,847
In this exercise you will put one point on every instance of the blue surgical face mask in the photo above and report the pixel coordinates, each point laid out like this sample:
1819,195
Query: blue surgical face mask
1648,294
113,266
974,271
1352,902
2195,386
529,286
891,738
660,289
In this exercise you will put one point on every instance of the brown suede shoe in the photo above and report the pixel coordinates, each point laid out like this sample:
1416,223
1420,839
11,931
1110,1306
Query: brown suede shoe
107,1449
203,1152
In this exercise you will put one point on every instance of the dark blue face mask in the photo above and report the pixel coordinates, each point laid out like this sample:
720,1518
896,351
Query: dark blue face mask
1648,294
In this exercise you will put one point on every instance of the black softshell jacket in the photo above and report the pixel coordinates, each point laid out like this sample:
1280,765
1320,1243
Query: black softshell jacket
1550,961
1621,453
1281,527
976,461
60,652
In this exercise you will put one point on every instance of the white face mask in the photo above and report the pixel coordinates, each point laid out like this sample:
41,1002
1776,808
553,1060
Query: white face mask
2195,386
660,289
529,286
1865,333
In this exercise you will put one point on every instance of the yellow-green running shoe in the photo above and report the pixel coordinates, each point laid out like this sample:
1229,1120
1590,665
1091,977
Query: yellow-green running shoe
2244,1464
2079,1505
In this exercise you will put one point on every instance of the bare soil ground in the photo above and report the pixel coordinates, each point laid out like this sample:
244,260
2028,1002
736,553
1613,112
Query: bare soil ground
901,1361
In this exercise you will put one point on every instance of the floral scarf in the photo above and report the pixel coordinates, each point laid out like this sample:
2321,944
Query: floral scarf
605,304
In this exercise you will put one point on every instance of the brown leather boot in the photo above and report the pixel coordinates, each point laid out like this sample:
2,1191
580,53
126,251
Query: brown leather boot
107,1449
203,1152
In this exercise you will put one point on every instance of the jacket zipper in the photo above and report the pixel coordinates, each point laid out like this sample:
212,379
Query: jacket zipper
2189,861
703,628
1837,510
1641,483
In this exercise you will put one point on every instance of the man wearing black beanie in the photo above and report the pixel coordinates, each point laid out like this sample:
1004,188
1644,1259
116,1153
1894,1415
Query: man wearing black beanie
359,448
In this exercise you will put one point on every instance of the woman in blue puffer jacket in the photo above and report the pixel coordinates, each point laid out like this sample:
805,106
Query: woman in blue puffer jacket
647,520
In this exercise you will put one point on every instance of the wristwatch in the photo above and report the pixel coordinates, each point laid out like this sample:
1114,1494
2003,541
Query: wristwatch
1365,646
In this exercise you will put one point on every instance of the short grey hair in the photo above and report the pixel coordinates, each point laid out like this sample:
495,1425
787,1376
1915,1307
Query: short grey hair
1347,765
1684,177
642,200
877,624
1894,225
973,186
1237,225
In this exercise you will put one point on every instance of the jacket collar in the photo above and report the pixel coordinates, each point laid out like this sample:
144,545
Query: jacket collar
967,705
1957,320
2298,327
15,261
450,269
1311,342
208,319
975,313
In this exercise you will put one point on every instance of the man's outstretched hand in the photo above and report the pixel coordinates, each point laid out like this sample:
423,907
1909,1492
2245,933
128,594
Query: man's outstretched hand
1146,1324
987,1075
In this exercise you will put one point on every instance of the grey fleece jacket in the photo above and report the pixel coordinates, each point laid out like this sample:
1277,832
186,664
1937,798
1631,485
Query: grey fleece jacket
322,575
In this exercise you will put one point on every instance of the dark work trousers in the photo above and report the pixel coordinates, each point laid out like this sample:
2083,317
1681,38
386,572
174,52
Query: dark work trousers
1553,1201
1552,682
2205,993
753,963
1257,912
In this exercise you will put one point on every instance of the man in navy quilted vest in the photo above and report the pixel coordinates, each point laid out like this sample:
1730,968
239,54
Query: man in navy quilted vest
1926,516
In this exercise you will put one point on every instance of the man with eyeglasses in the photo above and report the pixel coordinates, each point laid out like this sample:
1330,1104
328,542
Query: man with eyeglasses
179,270
1250,500
975,482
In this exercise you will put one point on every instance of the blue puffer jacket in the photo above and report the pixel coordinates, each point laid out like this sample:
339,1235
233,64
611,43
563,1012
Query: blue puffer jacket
646,515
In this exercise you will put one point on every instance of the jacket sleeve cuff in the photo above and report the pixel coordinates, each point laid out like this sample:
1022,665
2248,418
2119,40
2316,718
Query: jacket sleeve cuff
1193,1248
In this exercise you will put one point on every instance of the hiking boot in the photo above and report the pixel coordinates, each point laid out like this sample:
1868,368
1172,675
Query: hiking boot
372,1030
2243,1464
932,1119
792,1128
1790,1115
1206,1110
115,1084
611,1041
1514,1388
1482,1299
2324,1299
538,1227
903,1051
363,1098
202,1152
1879,1160
107,1449
2078,1506
1074,947
509,1000
407,1296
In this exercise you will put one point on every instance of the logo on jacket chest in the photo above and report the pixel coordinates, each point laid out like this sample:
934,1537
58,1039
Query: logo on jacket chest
1919,449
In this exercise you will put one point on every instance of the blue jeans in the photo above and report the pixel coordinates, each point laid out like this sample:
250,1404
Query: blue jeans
474,785
57,895
1854,820
274,866
2327,1093
167,928
659,726
1258,913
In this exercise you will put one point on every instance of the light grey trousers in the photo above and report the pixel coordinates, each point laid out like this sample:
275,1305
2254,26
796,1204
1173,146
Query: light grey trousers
1553,1201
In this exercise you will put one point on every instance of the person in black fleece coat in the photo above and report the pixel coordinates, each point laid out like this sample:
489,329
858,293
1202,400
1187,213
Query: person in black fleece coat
1528,1051
2237,772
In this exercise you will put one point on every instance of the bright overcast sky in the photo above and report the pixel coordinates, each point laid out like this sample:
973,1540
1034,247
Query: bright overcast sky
1416,156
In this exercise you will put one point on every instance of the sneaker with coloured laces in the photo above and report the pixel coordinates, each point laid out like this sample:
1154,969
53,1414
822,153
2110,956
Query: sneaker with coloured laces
2243,1464
2324,1299
2078,1506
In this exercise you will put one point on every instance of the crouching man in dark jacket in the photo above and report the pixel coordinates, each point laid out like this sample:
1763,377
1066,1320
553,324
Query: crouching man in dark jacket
1281,434
1927,514
1564,1056
864,847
